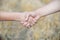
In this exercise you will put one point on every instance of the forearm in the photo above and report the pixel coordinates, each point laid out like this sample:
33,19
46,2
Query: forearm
50,8
9,15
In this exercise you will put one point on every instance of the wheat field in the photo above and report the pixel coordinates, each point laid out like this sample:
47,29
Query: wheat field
47,27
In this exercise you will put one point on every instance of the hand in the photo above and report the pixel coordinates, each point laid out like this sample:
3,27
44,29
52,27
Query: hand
30,19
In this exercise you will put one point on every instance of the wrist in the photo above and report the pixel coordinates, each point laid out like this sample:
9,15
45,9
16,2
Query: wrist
20,16
39,12
15,16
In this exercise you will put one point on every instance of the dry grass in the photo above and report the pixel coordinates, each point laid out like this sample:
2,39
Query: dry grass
47,28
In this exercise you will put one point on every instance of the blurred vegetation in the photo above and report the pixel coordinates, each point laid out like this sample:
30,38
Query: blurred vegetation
47,27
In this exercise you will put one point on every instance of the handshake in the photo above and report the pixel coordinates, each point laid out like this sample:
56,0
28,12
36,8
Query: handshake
26,18
29,18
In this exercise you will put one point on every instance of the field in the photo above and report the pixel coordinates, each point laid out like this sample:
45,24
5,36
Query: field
47,27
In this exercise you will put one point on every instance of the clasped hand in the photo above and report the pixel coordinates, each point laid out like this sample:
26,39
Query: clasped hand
30,19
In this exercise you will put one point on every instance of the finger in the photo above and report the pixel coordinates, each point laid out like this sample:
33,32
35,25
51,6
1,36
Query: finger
31,21
28,25
34,20
25,23
27,17
32,24
28,22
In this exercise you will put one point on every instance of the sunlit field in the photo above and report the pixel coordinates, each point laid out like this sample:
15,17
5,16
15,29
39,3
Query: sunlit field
46,28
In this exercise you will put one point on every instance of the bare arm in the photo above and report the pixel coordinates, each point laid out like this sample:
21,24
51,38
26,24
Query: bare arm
49,8
11,15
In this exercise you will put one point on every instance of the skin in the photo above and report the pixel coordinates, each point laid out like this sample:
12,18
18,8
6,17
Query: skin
50,8
18,16
29,18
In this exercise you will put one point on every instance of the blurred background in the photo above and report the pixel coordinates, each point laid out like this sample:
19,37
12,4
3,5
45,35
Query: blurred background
47,27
